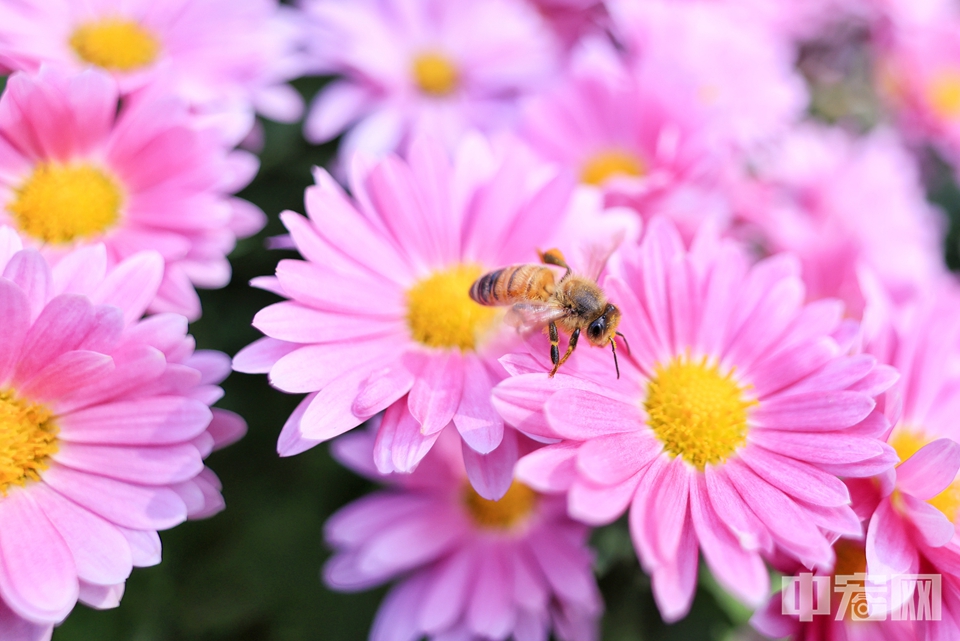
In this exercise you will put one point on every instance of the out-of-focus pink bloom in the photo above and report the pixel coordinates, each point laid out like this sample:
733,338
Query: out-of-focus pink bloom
469,568
841,204
723,433
104,425
572,20
717,57
379,316
628,140
430,66
74,171
225,58
918,72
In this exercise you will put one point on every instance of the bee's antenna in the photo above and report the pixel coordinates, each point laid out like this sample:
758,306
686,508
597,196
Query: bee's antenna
613,345
625,343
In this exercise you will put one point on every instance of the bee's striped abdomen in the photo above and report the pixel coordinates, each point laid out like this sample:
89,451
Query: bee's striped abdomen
513,284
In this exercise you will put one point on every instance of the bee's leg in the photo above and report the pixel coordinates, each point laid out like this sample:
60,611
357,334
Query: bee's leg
554,347
572,345
554,257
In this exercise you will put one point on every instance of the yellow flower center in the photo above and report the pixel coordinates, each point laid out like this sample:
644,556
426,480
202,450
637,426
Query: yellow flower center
943,94
59,203
697,413
510,511
28,437
440,312
115,44
907,441
435,74
607,164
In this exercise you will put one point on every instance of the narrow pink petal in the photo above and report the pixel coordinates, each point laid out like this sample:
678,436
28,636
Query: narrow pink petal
383,388
675,583
889,549
148,421
261,355
784,368
350,526
491,474
330,412
582,415
396,619
15,312
934,527
770,620
739,571
312,367
491,612
297,323
68,372
613,458
798,479
476,414
29,271
840,373
80,271
825,409
226,428
132,285
930,470
726,501
13,627
549,469
668,501
143,465
530,588
100,551
144,546
436,394
355,451
101,597
839,520
568,578
292,440
60,327
446,595
825,447
411,541
38,576
401,444
334,109
127,505
766,324
598,505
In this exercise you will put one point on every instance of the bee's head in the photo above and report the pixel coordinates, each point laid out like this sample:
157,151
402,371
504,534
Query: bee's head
602,329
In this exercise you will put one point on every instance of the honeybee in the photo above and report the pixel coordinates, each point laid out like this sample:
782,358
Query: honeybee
574,304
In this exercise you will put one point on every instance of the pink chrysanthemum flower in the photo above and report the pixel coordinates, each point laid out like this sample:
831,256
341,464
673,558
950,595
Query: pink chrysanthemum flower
715,56
379,316
104,424
469,568
736,409
918,72
74,170
572,20
841,204
430,66
225,58
629,140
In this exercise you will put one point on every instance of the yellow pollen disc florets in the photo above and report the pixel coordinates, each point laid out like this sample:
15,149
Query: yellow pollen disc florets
435,74
440,312
943,92
60,203
907,442
28,437
511,510
697,413
605,165
115,44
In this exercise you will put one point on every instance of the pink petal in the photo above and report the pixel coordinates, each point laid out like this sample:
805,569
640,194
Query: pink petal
798,479
396,619
312,367
491,612
259,356
934,527
825,447
144,546
143,465
825,409
726,501
148,421
334,109
15,312
930,470
614,458
598,505
476,414
132,285
292,440
491,474
675,583
13,627
549,469
297,323
582,415
226,428
29,271
401,444
60,327
446,594
383,388
101,597
668,501
38,576
67,373
889,550
436,394
569,579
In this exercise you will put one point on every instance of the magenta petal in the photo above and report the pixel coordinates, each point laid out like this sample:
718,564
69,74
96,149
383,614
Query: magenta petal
934,527
67,373
101,597
292,440
549,469
396,619
401,444
889,549
582,415
436,393
410,541
824,409
132,285
796,478
38,576
597,505
614,458
127,505
13,627
144,546
491,474
15,312
261,355
476,413
726,501
675,583
491,612
668,502
569,579
930,470
101,552
60,327
739,571
384,387
446,595
143,465
150,421
31,274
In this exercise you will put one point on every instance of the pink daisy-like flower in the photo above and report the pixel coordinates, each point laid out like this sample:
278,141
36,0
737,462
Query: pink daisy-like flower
225,58
629,140
429,66
919,75
715,56
572,20
470,568
74,170
736,409
104,425
841,204
379,316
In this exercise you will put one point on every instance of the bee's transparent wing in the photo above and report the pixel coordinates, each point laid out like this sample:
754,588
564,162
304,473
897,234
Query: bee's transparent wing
527,316
596,255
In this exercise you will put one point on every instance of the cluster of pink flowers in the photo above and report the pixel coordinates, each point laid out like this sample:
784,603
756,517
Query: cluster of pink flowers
783,395
118,169
777,382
